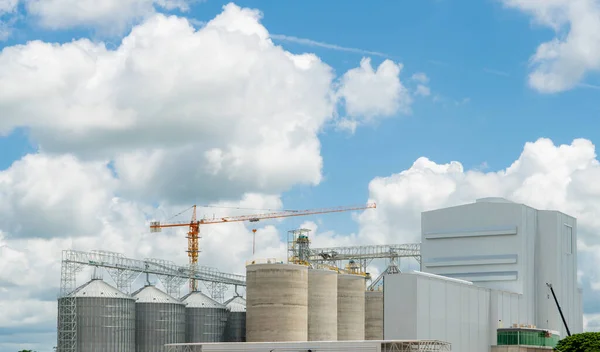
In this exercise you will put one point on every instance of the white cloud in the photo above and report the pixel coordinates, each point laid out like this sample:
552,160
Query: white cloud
370,94
420,77
107,15
423,90
232,114
561,63
7,6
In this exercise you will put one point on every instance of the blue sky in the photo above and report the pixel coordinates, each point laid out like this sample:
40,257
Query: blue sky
481,111
475,54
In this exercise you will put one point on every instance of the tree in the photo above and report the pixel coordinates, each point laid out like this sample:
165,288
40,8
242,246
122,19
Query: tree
584,342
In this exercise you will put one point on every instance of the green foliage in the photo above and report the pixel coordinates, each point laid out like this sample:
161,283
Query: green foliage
584,342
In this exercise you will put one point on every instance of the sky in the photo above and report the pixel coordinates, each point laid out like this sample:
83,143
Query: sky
118,112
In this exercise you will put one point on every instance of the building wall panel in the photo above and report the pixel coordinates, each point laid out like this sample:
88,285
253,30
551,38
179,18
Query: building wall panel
449,317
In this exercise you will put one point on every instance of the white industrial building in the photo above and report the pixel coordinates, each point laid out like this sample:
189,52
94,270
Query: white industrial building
502,254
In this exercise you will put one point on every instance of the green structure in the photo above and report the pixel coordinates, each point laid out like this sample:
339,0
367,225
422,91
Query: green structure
527,337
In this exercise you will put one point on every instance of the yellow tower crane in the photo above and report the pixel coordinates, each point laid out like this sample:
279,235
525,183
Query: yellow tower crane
193,234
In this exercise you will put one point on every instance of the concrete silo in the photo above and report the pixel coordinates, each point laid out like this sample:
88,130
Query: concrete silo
235,329
205,318
105,318
160,319
322,305
351,307
374,315
277,302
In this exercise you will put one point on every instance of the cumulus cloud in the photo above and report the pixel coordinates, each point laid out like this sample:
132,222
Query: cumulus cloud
233,114
370,93
112,15
561,63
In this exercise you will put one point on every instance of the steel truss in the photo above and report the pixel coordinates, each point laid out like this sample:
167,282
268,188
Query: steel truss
365,254
124,271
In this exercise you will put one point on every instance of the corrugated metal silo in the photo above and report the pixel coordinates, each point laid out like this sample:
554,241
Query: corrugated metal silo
105,318
235,329
205,318
160,319
322,305
374,315
351,307
277,302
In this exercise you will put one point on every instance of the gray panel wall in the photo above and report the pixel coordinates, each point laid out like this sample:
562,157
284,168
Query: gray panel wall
158,324
105,324
235,329
205,324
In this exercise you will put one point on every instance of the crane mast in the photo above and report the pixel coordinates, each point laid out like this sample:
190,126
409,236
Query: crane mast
193,234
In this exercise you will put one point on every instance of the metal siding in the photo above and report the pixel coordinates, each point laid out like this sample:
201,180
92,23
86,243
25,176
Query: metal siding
480,219
451,317
158,324
105,324
437,302
400,308
205,324
455,309
235,329
423,309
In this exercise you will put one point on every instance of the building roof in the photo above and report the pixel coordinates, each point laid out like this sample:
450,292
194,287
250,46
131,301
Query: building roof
198,299
493,200
151,294
98,288
236,304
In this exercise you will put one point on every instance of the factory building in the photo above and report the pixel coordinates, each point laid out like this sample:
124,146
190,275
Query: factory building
503,254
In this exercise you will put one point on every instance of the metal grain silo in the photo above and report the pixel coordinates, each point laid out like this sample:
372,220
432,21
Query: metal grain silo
277,302
105,318
374,315
351,307
235,329
205,318
322,305
160,319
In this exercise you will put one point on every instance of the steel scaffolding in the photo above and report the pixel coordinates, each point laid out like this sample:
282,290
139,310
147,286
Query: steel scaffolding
124,271
365,254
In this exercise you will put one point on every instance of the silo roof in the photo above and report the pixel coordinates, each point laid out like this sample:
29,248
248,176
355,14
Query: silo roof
151,294
98,288
236,304
198,299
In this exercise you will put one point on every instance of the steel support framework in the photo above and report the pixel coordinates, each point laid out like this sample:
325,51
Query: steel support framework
365,254
124,271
